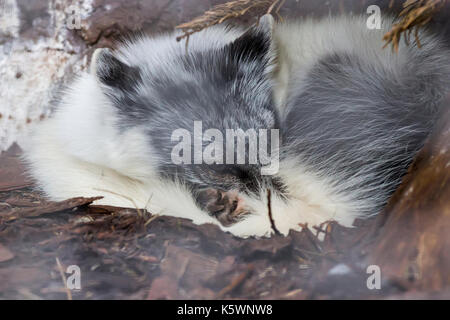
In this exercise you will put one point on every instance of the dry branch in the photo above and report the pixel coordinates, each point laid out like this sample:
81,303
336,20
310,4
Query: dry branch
415,14
223,12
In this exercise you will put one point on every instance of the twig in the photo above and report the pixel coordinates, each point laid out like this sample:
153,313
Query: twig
139,211
415,14
64,279
312,238
269,11
223,12
150,220
269,210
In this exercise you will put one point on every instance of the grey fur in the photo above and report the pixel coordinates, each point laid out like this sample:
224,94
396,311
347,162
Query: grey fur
361,123
225,88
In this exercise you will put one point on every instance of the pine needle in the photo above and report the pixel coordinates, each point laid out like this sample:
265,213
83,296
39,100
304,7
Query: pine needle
223,12
415,15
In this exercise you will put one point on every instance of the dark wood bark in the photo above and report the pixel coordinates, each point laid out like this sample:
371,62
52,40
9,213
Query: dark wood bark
414,243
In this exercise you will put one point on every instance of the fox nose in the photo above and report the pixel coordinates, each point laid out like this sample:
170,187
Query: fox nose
226,206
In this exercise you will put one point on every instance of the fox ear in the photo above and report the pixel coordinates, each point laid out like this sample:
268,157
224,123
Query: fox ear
265,25
256,43
113,73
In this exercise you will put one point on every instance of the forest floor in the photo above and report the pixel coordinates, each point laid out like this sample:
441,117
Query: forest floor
131,254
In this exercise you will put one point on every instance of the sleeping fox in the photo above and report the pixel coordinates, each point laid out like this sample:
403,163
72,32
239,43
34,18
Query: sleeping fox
349,116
